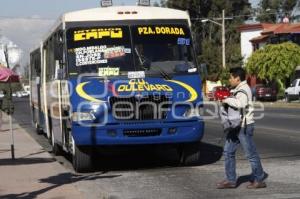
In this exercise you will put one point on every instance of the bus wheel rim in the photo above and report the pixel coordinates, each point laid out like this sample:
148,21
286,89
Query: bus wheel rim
72,146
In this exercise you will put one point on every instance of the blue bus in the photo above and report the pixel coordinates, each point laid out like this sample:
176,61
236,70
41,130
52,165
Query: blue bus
118,76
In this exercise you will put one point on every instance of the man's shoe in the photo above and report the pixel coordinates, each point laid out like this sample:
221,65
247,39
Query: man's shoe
226,185
257,185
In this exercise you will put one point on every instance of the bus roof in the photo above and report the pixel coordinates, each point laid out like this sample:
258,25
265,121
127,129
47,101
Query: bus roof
133,13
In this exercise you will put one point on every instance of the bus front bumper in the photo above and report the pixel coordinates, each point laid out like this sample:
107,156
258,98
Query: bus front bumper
139,133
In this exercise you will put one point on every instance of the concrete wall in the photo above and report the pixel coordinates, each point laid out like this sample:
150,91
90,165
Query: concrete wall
246,45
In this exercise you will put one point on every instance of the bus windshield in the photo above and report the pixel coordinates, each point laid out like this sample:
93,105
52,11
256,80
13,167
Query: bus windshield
163,49
156,49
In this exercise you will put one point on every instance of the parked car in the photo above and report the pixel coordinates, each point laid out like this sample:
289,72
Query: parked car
22,94
293,92
265,92
19,94
27,89
219,93
209,87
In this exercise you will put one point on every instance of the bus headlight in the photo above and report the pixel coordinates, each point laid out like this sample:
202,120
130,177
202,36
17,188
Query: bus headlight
192,112
83,116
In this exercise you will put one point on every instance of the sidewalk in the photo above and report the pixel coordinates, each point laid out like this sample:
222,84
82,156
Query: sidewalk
34,173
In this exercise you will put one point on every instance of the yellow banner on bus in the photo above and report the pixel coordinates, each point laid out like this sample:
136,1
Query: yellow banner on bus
87,34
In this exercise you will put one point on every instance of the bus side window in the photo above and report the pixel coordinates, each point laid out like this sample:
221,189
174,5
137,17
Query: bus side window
52,58
47,61
35,65
50,62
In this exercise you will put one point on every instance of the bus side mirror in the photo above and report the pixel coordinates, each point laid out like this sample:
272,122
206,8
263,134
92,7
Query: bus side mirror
197,49
58,51
203,69
197,45
59,46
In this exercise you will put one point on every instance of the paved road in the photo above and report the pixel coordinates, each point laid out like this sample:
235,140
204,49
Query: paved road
144,173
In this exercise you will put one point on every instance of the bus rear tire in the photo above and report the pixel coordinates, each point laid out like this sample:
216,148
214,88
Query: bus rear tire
82,159
189,154
38,129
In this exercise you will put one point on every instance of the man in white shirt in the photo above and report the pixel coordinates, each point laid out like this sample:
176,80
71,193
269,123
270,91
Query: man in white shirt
244,136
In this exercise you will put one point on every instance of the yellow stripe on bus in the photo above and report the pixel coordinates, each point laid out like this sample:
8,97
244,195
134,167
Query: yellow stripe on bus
192,91
80,91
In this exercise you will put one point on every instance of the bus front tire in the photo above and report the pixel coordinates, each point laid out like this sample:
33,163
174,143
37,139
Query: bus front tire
82,159
189,154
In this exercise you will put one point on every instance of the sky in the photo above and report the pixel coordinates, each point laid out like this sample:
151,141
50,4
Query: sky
254,2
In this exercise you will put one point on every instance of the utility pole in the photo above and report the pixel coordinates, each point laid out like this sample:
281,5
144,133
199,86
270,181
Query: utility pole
223,40
223,35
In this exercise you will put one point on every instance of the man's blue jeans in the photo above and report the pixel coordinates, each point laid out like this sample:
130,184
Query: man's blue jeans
245,138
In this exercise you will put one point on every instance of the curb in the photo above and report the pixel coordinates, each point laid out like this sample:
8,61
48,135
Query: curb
291,105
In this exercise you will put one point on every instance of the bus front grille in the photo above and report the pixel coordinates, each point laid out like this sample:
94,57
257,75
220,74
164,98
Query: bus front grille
150,107
141,132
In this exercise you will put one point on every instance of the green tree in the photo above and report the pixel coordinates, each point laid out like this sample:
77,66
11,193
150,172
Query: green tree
269,10
275,62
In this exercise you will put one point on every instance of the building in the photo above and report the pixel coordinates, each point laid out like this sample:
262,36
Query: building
248,32
254,36
279,33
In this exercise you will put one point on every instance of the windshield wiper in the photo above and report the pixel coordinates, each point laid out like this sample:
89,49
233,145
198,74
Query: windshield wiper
144,62
142,59
164,74
139,56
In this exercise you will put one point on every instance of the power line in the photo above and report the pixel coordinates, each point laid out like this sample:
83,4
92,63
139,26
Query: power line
234,16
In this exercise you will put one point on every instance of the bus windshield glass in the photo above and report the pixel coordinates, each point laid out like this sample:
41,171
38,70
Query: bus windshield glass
163,49
102,50
156,49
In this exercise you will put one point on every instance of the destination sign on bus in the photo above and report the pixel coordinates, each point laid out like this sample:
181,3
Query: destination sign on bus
142,85
160,30
88,34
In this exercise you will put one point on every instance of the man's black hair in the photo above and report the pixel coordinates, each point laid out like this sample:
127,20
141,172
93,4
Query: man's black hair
238,72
